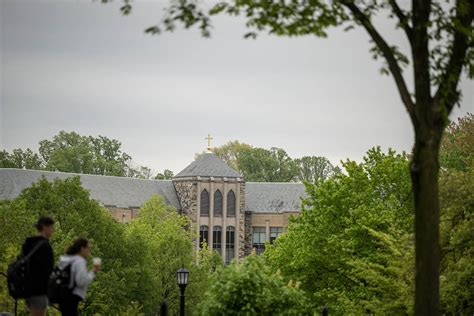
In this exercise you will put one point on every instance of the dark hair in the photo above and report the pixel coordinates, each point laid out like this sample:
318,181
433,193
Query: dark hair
44,221
76,246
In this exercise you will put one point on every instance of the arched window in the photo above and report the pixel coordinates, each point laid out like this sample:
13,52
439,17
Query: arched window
218,203
229,244
230,204
204,203
203,234
217,239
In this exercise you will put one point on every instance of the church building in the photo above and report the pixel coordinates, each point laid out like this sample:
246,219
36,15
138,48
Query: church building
233,216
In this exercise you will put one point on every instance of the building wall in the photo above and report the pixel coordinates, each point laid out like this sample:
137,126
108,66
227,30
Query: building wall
189,194
268,220
123,215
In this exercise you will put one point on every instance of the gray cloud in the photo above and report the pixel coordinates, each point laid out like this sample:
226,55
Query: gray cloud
81,66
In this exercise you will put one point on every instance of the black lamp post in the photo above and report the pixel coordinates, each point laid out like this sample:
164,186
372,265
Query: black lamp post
182,276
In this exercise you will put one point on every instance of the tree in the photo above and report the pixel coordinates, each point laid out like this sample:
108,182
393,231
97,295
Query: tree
230,151
20,159
250,288
457,214
314,169
165,175
457,147
71,152
352,246
263,165
441,40
75,215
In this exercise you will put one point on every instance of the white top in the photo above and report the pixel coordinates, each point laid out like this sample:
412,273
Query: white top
80,277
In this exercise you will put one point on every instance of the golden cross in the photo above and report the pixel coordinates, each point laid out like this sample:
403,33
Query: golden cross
209,138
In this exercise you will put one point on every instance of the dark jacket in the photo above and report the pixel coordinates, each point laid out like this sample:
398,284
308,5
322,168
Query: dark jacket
39,267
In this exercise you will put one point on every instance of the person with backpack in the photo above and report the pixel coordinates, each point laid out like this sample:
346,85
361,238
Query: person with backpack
39,264
75,261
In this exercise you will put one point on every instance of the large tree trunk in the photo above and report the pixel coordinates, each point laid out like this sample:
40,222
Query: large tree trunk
424,174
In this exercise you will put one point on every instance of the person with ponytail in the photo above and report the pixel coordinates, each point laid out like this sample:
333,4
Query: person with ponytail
76,256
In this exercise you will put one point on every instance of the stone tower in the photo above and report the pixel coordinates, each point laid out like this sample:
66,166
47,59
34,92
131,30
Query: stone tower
212,194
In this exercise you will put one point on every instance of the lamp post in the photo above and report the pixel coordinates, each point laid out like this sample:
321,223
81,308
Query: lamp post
182,276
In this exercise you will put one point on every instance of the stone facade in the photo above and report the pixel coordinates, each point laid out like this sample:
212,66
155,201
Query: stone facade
242,242
248,233
187,197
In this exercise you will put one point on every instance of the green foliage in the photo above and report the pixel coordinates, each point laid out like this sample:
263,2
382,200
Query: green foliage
457,219
139,259
457,147
169,246
263,165
71,152
315,169
20,159
345,247
229,152
166,175
250,288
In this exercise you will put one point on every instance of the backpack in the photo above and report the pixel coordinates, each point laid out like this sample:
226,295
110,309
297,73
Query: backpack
17,273
58,284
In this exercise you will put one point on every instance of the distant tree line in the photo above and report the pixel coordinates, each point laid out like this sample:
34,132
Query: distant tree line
274,164
71,152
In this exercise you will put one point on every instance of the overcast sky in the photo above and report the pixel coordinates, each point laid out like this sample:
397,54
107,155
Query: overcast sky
81,66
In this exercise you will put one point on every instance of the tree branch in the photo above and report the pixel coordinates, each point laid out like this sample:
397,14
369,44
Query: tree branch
389,56
446,95
403,18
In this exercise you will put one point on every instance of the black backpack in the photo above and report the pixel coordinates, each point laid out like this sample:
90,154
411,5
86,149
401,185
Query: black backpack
17,273
58,284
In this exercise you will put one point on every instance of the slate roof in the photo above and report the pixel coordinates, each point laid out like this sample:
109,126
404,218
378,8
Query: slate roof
208,165
260,197
271,197
111,191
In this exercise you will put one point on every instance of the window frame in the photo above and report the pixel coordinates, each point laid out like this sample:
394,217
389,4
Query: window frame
259,246
278,230
201,233
218,203
229,246
204,193
217,238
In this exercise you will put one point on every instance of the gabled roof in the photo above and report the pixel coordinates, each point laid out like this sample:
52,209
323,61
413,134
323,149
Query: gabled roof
272,197
208,165
111,191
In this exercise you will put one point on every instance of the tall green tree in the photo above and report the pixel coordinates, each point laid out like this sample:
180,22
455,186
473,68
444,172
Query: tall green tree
71,152
230,151
457,147
165,175
170,247
139,259
251,288
440,37
351,248
263,165
314,169
457,218
75,215
21,159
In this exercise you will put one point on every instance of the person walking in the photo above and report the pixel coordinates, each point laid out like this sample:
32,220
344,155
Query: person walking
80,278
40,266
